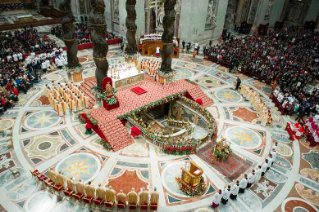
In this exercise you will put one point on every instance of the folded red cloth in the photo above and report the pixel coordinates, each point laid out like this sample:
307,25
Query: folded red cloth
135,131
138,90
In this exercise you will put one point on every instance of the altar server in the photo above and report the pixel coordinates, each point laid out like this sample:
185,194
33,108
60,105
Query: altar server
217,199
234,191
264,168
251,179
243,184
257,174
226,194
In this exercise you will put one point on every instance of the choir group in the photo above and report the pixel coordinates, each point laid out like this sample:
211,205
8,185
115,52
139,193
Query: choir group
67,96
258,104
150,66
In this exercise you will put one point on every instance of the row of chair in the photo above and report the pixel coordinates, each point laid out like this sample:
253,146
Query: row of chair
99,196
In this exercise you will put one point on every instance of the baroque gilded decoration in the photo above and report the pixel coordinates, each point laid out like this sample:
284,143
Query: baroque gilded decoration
69,34
100,48
131,47
167,37
211,14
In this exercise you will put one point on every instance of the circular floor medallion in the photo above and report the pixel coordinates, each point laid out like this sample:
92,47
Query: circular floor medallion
42,120
243,137
54,77
183,74
209,82
82,166
39,202
227,95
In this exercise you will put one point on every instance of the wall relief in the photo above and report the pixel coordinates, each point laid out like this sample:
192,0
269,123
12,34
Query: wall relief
253,12
211,15
268,11
115,11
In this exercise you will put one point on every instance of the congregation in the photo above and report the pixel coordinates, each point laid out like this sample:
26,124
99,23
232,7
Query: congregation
288,58
83,31
23,53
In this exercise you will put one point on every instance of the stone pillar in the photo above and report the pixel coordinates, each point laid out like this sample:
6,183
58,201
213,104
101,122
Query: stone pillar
167,37
69,34
98,36
147,17
177,23
131,27
239,12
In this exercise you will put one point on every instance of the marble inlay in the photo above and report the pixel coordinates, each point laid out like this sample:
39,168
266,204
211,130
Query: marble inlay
42,120
40,202
312,157
227,95
243,137
80,166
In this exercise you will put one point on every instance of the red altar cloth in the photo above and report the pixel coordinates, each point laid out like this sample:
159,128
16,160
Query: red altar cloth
138,90
135,131
110,107
199,101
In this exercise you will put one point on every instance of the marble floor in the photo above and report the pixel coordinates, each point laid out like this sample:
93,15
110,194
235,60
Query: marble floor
42,139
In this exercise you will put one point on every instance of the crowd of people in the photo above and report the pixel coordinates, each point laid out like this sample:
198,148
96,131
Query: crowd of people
83,31
23,53
288,58
232,191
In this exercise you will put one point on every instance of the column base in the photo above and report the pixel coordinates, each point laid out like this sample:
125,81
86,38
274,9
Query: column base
75,74
165,77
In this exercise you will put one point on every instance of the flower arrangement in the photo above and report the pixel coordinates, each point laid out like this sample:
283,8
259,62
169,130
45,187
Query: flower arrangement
106,145
110,100
92,119
196,191
221,151
179,149
81,119
88,128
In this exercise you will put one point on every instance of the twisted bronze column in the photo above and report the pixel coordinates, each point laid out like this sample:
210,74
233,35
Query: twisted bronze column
100,48
69,35
131,27
167,37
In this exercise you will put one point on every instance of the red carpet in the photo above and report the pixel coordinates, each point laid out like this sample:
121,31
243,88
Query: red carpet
138,90
231,169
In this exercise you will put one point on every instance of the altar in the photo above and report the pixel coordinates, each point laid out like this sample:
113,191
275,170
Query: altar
124,74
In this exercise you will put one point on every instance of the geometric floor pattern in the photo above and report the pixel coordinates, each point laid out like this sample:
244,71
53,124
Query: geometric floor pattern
43,140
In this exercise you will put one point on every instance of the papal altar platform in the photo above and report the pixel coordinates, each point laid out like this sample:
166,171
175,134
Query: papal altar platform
111,129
